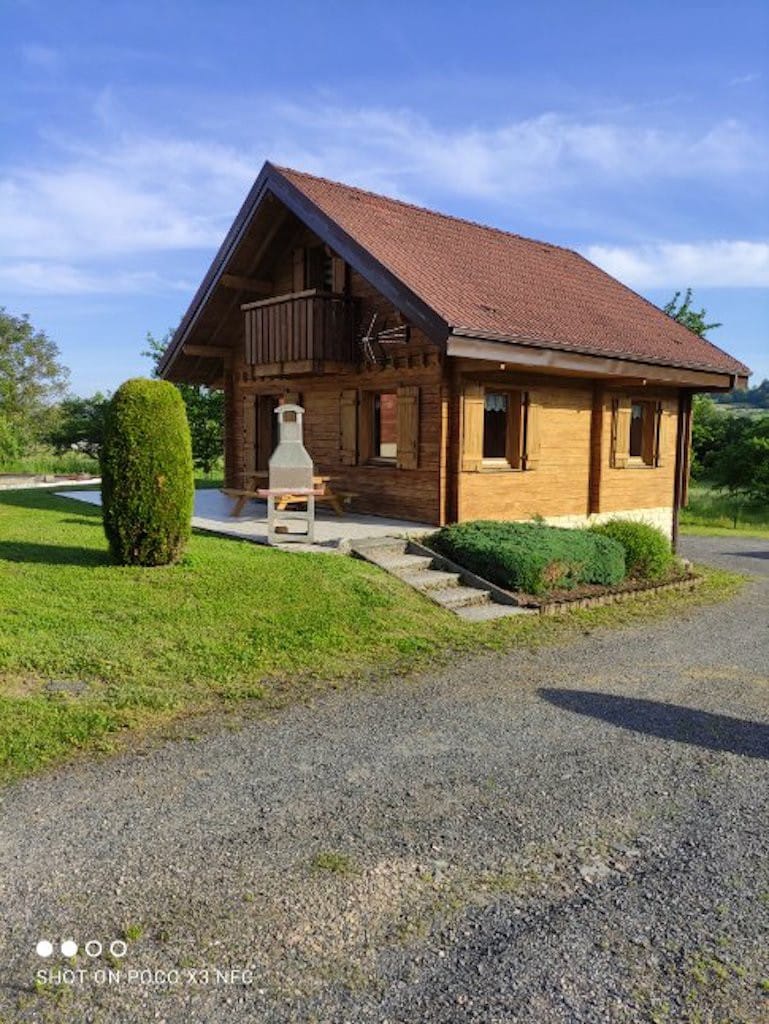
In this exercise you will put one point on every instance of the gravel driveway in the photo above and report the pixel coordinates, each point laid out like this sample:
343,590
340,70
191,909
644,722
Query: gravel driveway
572,834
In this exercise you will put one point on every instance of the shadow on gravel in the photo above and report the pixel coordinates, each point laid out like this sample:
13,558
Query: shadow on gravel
668,721
747,554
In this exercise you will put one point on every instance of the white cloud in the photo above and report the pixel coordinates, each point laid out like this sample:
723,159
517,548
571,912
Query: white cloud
725,264
65,279
533,156
145,196
140,195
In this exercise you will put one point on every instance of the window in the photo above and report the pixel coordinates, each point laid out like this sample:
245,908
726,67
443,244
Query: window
636,433
380,427
503,428
637,417
500,428
319,269
385,425
495,425
643,444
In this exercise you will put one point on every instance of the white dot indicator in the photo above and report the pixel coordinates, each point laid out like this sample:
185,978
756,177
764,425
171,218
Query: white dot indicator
44,948
69,947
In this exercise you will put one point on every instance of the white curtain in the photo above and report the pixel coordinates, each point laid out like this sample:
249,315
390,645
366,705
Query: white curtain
496,403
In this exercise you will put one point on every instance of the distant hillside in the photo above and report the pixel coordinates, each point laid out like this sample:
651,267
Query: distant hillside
752,398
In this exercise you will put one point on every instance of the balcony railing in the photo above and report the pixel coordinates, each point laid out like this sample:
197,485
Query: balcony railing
310,326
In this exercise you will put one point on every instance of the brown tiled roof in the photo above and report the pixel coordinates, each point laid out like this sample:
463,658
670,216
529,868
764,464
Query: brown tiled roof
484,280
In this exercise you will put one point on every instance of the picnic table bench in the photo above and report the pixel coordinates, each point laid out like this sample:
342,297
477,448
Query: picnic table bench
322,493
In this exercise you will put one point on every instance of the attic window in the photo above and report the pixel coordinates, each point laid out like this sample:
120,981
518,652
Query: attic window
318,269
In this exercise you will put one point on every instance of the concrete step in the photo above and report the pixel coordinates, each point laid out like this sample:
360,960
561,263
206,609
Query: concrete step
377,548
431,579
403,564
474,604
487,612
459,597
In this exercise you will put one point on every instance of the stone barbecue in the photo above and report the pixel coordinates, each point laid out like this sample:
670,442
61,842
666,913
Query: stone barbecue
290,473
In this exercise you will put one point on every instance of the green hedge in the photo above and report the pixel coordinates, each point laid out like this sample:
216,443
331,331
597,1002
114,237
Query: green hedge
648,555
532,557
147,481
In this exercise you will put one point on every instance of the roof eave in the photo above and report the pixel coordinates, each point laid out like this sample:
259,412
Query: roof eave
216,269
534,353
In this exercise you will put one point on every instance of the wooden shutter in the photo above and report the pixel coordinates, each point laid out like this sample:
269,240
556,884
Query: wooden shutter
516,428
408,428
532,434
299,274
338,275
249,433
348,427
366,426
620,432
659,434
472,426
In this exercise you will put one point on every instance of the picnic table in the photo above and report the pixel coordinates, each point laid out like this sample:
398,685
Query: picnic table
323,493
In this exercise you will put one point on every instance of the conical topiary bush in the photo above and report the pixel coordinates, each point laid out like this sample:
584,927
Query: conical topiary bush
147,480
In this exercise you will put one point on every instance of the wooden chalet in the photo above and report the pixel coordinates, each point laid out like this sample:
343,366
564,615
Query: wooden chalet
449,371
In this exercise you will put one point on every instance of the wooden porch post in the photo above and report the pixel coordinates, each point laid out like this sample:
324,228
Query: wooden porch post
683,447
596,449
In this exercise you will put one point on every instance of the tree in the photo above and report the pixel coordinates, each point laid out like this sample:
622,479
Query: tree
684,314
31,377
146,468
79,424
10,447
741,463
205,410
709,428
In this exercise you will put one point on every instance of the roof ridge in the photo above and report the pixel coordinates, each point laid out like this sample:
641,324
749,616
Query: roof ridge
423,209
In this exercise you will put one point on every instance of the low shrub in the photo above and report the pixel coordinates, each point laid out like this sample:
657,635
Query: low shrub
532,557
146,465
648,555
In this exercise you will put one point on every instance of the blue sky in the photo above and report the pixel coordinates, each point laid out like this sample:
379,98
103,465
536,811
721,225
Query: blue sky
130,133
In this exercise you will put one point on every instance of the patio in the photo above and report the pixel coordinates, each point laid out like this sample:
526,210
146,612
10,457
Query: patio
333,534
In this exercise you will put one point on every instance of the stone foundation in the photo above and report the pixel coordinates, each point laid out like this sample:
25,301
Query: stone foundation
662,518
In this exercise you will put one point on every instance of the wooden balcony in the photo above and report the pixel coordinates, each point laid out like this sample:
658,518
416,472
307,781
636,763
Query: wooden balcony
300,332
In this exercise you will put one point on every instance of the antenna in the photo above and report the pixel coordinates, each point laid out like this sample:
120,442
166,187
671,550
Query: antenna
373,341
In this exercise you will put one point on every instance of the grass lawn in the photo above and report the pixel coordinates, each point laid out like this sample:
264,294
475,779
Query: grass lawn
91,652
715,512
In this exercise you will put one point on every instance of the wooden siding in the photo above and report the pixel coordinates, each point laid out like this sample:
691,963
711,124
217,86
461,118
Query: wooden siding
641,486
559,483
572,474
